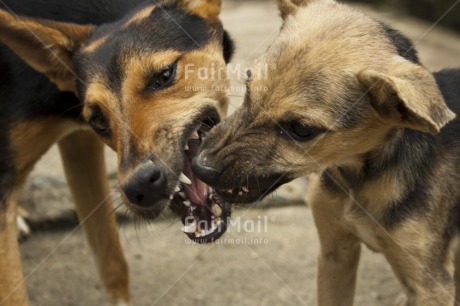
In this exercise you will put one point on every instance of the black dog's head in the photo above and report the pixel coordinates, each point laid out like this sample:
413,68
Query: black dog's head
148,85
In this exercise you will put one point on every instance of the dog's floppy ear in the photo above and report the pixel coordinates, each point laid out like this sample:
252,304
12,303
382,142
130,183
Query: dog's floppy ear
208,9
289,7
408,96
47,46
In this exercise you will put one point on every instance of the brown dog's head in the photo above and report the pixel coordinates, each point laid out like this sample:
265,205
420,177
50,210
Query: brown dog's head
335,83
143,90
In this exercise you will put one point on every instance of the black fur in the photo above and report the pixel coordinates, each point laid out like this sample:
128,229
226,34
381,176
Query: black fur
178,30
402,43
79,11
420,154
414,156
229,47
26,94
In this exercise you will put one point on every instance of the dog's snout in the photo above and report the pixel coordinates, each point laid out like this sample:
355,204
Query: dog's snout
146,185
205,172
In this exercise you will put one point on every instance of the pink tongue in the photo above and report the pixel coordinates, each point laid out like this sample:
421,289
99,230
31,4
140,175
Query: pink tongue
197,192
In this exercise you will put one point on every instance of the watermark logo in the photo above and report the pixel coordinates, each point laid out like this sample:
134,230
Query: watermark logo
235,241
240,228
236,72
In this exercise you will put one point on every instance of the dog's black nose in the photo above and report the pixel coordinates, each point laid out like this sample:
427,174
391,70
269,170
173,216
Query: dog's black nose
146,185
207,174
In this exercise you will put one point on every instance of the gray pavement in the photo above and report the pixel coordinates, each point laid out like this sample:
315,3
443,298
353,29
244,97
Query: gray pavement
273,266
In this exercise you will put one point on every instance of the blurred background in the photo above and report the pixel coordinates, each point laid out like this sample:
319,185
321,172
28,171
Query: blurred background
444,11
272,266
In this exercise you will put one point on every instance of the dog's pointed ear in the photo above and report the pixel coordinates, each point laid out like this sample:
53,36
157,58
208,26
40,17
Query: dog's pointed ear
290,7
47,46
408,96
208,9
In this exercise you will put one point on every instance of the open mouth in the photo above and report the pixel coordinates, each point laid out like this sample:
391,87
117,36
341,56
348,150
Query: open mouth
205,214
253,191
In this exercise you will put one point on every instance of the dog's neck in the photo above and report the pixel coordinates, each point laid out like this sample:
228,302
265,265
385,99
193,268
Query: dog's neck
402,156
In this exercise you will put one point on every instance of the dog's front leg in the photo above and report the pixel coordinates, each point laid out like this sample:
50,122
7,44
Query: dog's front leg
340,250
418,259
13,290
84,164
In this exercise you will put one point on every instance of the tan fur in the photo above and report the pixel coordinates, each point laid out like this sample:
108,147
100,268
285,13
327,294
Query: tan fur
290,7
339,100
208,9
340,248
99,94
94,45
145,115
83,157
142,123
52,47
139,16
13,290
27,150
348,214
416,87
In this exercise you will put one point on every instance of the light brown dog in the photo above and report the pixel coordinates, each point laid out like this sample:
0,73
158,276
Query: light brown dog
350,101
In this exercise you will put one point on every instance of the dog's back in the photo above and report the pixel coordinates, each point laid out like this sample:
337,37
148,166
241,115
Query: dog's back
81,11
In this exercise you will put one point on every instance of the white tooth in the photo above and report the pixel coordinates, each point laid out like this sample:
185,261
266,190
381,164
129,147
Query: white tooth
191,228
184,179
187,203
194,135
177,189
182,195
245,189
186,148
216,210
171,197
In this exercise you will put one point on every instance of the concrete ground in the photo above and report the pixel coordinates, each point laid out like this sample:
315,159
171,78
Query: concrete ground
272,265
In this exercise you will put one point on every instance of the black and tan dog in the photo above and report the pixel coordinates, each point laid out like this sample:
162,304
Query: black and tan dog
350,101
117,67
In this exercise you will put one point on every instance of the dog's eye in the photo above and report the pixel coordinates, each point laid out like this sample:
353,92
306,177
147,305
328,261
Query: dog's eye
99,123
163,79
299,131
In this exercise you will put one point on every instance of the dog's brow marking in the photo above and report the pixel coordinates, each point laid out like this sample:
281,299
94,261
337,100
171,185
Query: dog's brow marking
94,45
139,16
